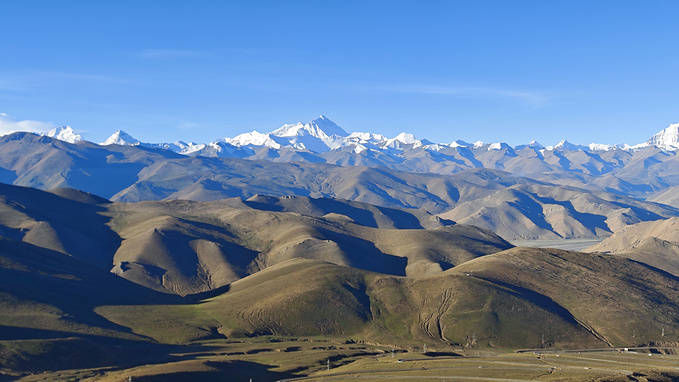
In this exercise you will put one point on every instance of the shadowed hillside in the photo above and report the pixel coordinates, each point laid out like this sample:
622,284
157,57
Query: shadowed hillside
188,247
538,211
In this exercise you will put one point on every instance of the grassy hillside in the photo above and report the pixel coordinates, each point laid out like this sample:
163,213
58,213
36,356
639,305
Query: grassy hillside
533,298
46,294
620,301
291,267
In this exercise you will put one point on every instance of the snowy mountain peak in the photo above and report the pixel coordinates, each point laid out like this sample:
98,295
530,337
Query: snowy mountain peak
406,138
459,143
322,135
65,133
402,139
667,139
319,135
321,128
121,138
290,130
253,138
535,145
329,127
565,145
498,146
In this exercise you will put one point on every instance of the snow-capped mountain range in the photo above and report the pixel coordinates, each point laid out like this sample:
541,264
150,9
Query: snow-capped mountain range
322,135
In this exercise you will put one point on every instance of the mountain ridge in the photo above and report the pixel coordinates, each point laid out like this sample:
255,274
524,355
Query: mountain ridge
327,136
553,209
321,135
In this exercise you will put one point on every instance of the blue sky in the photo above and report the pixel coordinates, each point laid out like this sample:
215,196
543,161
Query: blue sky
513,71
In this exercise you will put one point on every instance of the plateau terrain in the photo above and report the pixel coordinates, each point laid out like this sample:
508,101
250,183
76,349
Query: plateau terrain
276,255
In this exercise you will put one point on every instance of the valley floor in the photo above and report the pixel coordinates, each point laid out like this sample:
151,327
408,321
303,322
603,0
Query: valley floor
565,244
270,359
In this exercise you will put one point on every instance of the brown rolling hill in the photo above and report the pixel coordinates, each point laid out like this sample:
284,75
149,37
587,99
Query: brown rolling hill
618,300
532,298
534,211
187,247
655,243
184,271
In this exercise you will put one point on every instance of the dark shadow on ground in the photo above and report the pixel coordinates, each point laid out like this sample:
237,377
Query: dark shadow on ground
224,371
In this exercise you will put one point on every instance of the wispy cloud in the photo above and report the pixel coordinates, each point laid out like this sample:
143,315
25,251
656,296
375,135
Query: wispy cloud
30,81
170,54
533,98
8,125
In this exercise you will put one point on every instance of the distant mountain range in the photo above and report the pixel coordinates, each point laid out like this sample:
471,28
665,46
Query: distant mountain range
644,171
322,135
512,205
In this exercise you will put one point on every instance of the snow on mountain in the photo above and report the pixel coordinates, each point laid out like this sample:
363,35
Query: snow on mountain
224,150
321,127
178,147
366,138
498,146
65,133
666,139
535,145
402,139
406,138
361,142
253,138
121,138
565,145
601,147
319,135
322,135
459,143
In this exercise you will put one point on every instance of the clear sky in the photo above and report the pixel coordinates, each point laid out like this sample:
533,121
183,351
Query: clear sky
512,71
